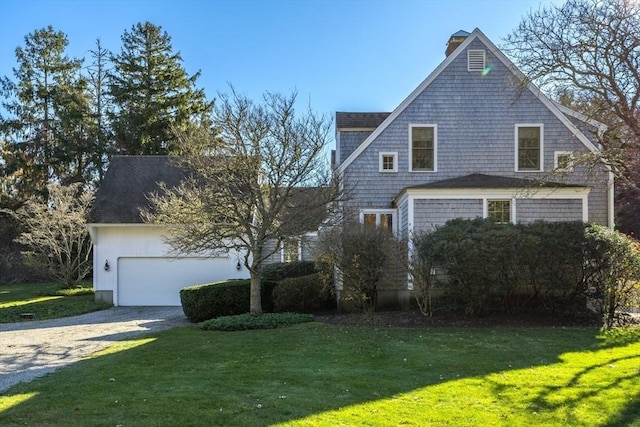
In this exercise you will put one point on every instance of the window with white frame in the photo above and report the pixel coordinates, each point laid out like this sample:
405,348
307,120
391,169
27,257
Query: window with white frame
475,60
499,211
382,218
290,251
423,147
563,161
529,148
388,162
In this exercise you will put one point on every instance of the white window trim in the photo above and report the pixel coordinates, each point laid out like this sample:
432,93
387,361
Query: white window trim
435,146
395,161
282,254
377,212
557,154
471,52
541,159
512,207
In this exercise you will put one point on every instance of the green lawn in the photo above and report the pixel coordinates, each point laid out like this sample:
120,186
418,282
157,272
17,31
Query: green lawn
45,301
316,374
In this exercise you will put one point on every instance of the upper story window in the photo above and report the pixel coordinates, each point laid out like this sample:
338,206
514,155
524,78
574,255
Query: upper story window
423,150
388,162
475,60
382,218
499,211
563,161
291,250
529,148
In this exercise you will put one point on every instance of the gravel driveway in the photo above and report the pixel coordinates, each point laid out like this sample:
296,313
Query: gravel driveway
33,349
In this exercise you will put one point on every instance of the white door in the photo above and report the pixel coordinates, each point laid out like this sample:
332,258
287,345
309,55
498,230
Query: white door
157,281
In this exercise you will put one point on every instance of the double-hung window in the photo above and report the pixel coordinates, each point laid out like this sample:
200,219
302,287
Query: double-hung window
423,150
563,161
529,148
381,218
499,211
290,250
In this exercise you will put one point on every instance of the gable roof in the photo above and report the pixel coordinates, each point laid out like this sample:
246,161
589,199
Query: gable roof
126,185
359,120
475,35
131,179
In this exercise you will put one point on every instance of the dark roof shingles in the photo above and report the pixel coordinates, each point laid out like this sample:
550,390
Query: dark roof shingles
127,184
477,180
359,120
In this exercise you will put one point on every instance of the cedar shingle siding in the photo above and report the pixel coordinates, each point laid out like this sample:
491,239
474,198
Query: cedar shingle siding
475,115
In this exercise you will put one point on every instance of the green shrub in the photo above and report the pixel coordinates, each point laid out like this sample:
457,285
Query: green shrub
301,294
550,256
248,321
204,302
283,270
612,274
479,257
560,268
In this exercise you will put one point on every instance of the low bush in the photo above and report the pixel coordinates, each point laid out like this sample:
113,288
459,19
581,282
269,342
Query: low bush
243,322
301,294
283,270
204,302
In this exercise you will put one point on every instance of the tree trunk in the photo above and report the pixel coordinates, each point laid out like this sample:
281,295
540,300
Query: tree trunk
255,306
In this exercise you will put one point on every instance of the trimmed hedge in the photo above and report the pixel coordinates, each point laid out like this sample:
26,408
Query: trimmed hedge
301,294
204,302
243,322
557,267
283,270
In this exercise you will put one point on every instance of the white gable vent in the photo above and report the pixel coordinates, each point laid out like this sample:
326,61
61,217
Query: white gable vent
475,60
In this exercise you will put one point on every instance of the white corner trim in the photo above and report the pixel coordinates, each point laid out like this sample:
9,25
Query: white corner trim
611,201
585,209
410,214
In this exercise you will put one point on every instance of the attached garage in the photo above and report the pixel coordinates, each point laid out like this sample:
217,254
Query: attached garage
132,263
156,281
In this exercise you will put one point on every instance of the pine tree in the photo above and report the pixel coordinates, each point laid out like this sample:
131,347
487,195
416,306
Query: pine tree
101,106
153,94
40,129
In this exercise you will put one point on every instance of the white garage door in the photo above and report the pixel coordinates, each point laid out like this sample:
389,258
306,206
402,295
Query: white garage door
157,281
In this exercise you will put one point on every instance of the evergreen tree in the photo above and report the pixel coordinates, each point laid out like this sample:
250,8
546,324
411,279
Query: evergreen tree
153,94
101,106
42,126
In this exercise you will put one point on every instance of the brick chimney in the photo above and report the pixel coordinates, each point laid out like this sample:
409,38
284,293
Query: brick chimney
455,41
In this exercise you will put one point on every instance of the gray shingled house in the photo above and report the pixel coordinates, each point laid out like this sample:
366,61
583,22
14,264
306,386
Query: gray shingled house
472,140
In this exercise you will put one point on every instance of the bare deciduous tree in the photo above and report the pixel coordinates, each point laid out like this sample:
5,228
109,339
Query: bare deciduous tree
586,54
261,177
55,231
365,259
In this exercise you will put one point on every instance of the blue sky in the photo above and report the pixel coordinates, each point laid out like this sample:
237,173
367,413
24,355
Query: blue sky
340,55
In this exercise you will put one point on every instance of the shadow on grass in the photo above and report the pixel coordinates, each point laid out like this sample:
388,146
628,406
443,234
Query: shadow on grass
315,374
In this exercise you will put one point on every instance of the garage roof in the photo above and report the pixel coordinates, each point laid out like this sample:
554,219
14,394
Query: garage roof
131,179
127,183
